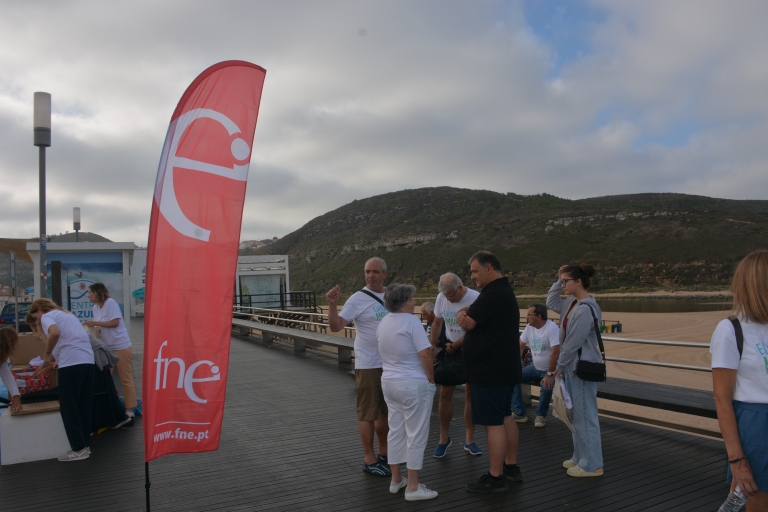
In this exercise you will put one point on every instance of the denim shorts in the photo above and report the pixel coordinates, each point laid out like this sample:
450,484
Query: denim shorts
752,421
491,404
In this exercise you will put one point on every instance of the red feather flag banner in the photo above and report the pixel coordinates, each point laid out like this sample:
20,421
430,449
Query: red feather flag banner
194,235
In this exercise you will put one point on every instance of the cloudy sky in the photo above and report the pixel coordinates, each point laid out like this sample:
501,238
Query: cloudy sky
577,99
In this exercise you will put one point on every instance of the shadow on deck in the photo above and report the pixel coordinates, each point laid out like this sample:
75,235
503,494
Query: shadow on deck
290,442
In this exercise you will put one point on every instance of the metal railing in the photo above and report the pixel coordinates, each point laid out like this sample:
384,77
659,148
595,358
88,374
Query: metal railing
286,301
278,316
350,330
689,344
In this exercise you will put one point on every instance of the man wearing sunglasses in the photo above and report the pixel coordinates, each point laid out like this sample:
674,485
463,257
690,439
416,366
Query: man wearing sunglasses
543,337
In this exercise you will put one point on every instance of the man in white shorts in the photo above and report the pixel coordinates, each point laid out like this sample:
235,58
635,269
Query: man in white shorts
543,337
453,297
366,309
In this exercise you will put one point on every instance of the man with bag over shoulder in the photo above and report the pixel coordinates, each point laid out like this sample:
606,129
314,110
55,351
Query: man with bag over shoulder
453,297
366,309
492,362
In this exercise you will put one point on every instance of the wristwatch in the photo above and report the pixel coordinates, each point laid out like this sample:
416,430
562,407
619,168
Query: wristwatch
550,374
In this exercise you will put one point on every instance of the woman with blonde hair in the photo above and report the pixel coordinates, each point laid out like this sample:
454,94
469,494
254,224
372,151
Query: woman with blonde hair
68,345
108,319
739,350
9,340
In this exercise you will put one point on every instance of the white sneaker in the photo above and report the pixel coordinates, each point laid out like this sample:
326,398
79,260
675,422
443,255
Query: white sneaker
394,488
540,422
519,419
422,493
72,455
127,421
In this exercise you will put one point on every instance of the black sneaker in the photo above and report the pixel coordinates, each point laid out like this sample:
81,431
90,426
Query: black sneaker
377,469
382,459
512,473
489,484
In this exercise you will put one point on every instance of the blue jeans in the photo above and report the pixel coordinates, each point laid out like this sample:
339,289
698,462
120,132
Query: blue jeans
530,374
587,445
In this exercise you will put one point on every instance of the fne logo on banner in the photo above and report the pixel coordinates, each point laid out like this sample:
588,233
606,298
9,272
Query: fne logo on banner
192,258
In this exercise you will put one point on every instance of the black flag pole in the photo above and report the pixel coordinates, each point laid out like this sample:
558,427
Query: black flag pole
146,482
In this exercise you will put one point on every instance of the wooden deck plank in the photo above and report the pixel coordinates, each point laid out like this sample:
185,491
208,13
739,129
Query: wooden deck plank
290,441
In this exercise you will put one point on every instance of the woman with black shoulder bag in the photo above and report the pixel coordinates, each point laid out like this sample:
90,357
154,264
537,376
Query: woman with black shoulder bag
581,364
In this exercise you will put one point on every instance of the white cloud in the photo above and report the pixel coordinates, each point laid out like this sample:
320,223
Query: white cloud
368,97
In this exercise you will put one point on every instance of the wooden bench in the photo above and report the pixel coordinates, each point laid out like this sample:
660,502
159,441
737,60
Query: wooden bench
300,337
696,402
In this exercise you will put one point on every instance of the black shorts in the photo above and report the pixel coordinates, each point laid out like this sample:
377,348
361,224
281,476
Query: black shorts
491,404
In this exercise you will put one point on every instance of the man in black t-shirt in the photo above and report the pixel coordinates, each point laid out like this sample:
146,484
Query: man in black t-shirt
492,362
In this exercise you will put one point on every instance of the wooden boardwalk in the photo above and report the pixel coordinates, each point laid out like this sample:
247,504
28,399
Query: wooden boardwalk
290,442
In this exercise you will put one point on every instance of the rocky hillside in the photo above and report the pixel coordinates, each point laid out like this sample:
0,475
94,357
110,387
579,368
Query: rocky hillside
636,242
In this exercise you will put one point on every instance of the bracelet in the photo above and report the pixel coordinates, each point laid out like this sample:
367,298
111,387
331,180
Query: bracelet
47,352
734,461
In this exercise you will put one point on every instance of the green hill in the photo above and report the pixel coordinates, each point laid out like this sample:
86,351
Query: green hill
636,242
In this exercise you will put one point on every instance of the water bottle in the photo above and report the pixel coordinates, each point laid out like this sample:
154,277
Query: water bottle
735,501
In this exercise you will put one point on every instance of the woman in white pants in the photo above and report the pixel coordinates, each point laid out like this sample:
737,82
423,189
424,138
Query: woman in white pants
409,386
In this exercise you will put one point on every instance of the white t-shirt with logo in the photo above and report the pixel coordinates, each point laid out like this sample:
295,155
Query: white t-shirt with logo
752,370
447,311
366,313
541,342
73,346
116,338
401,337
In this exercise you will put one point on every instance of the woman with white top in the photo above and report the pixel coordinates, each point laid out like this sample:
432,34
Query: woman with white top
108,319
9,340
69,347
408,384
740,381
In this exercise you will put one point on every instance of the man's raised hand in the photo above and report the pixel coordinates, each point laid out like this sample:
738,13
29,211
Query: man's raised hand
333,295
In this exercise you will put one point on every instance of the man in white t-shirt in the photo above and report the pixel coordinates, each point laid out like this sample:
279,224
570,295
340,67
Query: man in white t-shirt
543,338
453,297
366,309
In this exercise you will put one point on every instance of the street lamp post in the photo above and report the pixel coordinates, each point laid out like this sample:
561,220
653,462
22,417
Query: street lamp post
42,131
76,220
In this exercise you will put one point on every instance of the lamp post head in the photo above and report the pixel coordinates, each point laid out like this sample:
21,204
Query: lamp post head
42,119
76,218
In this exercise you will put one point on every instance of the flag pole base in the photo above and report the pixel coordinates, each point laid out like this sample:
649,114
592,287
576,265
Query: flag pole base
146,482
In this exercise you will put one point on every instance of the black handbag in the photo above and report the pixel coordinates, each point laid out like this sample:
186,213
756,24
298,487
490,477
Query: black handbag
449,369
587,370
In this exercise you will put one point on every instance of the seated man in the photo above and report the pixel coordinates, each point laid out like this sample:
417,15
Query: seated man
543,338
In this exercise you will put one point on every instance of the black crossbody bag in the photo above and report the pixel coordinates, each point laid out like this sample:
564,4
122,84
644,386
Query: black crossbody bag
373,296
449,369
587,370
